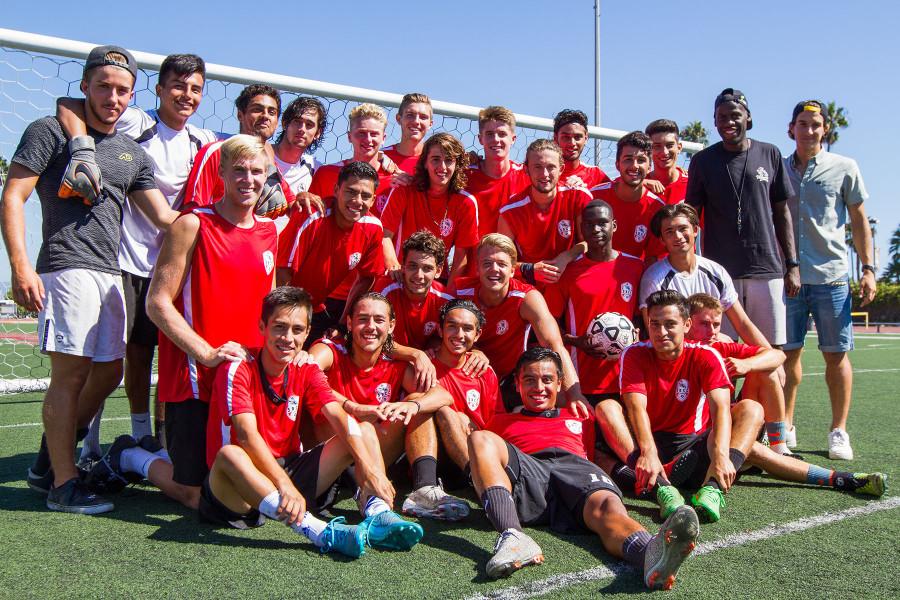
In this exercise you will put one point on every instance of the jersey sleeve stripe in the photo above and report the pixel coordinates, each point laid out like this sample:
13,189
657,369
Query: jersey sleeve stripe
214,147
474,202
309,221
437,293
523,202
229,388
465,292
390,288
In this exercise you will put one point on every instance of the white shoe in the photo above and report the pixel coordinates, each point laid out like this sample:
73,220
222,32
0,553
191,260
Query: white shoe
790,437
839,445
433,502
514,549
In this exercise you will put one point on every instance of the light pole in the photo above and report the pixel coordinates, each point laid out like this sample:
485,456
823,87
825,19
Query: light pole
597,78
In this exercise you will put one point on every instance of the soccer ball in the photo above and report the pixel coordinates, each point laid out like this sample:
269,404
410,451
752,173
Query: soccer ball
610,333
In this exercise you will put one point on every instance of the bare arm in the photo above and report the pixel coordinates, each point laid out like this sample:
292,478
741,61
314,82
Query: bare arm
70,114
745,328
648,467
767,359
862,241
27,288
720,438
391,263
460,260
282,276
360,286
784,230
153,204
426,376
416,402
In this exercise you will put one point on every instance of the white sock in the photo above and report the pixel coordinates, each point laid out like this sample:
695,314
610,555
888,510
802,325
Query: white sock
140,425
91,443
375,506
164,454
311,527
269,505
137,460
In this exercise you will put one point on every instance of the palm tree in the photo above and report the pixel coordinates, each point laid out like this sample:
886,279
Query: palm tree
694,132
892,271
835,118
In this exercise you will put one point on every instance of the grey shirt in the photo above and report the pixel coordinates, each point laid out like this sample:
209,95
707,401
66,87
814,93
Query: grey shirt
75,235
830,183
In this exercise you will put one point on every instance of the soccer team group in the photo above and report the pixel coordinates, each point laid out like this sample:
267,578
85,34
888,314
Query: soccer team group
423,313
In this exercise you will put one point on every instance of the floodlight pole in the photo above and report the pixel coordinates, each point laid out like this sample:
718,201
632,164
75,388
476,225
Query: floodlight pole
597,77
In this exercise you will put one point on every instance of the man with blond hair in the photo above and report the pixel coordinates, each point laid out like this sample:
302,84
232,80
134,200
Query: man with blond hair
415,119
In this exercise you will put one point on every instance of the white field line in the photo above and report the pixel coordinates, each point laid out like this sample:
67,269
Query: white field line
558,582
103,420
855,371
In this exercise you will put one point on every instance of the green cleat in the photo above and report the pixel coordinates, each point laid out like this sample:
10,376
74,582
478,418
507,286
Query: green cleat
709,502
876,484
388,531
669,499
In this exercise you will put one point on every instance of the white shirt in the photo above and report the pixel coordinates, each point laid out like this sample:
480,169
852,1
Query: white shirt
172,153
298,176
708,278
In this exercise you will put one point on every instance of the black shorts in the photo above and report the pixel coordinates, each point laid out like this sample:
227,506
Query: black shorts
302,468
551,487
139,329
186,440
669,445
595,399
326,319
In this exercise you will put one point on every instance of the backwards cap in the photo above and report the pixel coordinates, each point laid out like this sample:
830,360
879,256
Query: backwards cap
99,58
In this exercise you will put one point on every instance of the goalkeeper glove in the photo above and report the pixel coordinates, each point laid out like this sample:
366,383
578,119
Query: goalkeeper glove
272,202
82,177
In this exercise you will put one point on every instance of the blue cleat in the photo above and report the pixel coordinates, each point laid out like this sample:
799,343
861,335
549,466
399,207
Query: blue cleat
388,531
349,540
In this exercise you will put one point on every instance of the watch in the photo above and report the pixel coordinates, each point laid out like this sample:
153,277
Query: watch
869,268
790,264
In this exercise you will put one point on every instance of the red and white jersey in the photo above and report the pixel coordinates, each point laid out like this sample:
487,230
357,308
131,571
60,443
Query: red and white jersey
633,235
542,234
325,180
238,389
321,255
204,185
676,190
405,163
453,217
591,175
586,289
477,397
532,433
493,193
417,320
231,271
382,383
675,389
505,333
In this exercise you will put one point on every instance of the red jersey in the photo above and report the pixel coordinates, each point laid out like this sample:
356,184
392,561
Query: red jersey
238,389
675,389
325,179
591,175
321,255
477,397
204,185
542,234
382,383
405,163
505,333
586,289
632,234
453,218
229,275
735,349
493,193
550,429
417,320
675,191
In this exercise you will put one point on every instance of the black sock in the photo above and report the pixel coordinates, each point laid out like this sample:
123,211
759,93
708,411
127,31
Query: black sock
424,471
42,460
624,476
711,482
634,547
846,481
80,434
631,459
500,508
737,458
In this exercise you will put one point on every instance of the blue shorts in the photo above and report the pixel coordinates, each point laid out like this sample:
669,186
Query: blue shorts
829,306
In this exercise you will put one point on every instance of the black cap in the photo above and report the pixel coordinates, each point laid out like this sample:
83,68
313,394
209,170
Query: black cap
732,95
810,105
98,58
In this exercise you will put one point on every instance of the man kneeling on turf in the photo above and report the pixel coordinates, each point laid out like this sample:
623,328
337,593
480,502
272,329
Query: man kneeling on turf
257,467
531,467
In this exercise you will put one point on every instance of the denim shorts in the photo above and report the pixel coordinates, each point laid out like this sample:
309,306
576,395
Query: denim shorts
829,306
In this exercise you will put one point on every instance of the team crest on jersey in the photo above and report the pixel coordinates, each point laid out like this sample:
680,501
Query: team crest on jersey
640,232
626,290
380,201
354,260
502,327
573,426
446,226
292,404
473,399
383,392
762,175
682,389
430,327
564,227
268,261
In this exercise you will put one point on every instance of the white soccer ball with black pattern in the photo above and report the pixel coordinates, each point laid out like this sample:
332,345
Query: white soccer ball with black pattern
610,333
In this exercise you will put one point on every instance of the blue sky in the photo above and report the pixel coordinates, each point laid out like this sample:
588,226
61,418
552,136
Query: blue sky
659,59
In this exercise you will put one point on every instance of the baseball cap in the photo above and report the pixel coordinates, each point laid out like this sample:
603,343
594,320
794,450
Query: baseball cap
98,57
810,105
732,95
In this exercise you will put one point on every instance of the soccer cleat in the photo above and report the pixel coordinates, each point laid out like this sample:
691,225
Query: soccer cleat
349,540
876,483
106,477
87,462
74,497
839,445
433,502
709,502
388,531
790,437
82,178
150,444
514,549
680,468
669,499
673,543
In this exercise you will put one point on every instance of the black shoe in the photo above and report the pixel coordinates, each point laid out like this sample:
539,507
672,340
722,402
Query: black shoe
74,497
86,463
150,444
106,477
40,483
681,467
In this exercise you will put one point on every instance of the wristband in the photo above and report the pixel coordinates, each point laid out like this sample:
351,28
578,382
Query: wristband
868,268
418,406
790,264
527,270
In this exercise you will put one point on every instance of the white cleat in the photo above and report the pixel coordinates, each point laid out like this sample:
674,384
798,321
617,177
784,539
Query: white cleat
433,502
839,445
514,549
